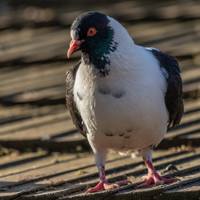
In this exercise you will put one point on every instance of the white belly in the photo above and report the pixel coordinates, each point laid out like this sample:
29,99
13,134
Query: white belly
134,120
129,123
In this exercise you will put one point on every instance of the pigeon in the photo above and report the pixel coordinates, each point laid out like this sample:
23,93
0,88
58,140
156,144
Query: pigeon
122,97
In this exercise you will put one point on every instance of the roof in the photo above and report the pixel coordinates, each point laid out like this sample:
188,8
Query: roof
43,156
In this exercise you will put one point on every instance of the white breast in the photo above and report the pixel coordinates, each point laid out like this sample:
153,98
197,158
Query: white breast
134,120
131,114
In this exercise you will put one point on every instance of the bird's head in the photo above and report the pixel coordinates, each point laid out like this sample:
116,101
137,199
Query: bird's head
92,33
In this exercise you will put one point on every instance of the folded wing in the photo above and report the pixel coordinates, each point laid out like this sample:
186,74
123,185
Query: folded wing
76,117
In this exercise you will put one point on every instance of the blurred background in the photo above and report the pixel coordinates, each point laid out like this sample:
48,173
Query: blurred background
35,125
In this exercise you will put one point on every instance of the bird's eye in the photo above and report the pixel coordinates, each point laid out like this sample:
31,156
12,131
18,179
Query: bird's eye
91,31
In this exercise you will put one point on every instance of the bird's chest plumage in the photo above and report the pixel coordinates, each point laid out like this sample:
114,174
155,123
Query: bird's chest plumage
118,113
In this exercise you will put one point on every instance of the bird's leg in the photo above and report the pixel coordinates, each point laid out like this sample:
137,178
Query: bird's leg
103,183
152,176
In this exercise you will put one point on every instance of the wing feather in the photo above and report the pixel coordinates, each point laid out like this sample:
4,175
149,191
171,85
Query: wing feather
76,117
174,93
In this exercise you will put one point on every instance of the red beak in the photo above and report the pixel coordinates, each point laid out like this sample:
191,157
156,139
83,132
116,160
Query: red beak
74,46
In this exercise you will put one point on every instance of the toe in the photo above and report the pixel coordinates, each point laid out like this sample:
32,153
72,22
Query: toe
121,183
171,180
109,186
146,184
144,178
95,189
91,190
159,182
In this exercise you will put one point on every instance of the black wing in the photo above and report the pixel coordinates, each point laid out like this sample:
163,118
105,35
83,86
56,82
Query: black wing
174,93
76,117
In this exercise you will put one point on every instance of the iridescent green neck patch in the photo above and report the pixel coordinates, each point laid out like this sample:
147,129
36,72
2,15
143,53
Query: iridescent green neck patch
100,50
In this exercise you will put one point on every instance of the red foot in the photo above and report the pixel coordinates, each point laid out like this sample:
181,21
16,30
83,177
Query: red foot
155,178
107,186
